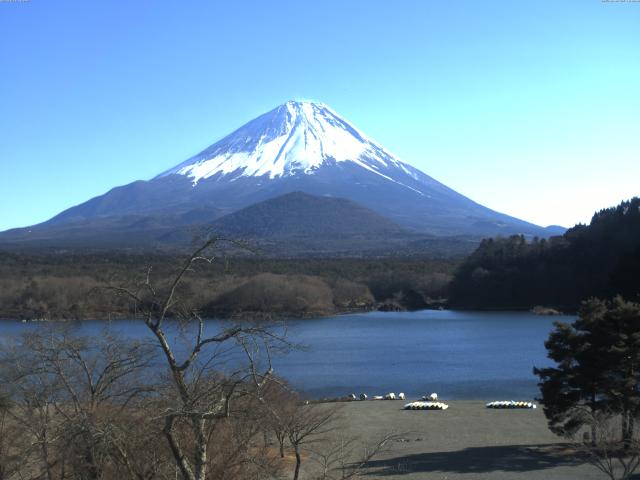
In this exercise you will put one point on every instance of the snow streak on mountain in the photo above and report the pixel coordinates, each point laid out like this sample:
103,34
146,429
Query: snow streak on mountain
294,138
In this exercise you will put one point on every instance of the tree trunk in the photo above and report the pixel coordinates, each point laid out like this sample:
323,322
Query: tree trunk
176,450
298,462
627,428
594,428
93,471
44,449
201,449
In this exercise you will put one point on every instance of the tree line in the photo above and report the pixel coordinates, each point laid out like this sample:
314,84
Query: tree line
65,285
596,260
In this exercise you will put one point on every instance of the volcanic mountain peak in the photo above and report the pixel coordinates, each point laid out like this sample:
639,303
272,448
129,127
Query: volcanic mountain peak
294,138
296,147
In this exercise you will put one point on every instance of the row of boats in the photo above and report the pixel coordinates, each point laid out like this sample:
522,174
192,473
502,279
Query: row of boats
426,406
510,404
429,405
430,402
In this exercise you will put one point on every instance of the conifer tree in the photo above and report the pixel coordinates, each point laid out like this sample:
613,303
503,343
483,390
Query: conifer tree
597,369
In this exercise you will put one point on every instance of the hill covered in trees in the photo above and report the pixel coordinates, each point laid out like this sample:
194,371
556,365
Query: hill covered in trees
601,259
68,285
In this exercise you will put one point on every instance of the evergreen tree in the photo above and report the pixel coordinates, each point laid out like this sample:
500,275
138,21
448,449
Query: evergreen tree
597,368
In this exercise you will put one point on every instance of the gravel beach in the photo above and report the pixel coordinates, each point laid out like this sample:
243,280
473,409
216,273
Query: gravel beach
467,441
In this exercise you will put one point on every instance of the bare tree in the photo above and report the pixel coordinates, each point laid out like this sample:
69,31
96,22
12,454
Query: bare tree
615,454
33,394
315,430
341,458
307,425
279,403
98,380
201,395
138,449
11,441
70,394
239,451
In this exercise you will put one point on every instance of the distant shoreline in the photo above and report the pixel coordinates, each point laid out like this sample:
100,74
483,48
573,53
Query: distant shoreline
261,316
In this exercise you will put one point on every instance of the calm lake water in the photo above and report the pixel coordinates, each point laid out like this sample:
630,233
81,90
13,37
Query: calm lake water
459,355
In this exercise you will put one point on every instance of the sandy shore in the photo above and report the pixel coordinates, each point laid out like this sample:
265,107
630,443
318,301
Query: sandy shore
467,441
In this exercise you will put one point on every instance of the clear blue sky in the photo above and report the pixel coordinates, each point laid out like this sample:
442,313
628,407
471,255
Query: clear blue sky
529,107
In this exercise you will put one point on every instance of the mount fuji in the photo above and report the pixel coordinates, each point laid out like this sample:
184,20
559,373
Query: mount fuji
297,147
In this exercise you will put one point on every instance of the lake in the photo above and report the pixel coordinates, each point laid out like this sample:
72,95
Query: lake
459,355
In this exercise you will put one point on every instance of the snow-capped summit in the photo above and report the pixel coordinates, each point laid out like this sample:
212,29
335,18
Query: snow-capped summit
295,138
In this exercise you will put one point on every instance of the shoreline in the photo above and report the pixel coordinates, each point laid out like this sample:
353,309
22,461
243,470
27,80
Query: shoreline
261,316
414,398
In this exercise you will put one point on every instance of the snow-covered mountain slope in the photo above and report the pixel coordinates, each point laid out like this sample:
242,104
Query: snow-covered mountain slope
296,147
293,139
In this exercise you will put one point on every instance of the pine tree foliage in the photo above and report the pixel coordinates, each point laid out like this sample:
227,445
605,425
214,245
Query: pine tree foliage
598,260
597,368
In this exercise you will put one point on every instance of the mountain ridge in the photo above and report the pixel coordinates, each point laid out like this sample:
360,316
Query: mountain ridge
296,147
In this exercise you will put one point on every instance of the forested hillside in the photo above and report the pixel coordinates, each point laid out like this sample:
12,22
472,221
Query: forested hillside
600,259
67,286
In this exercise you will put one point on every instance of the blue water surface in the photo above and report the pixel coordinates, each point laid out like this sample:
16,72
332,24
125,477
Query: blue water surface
459,355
